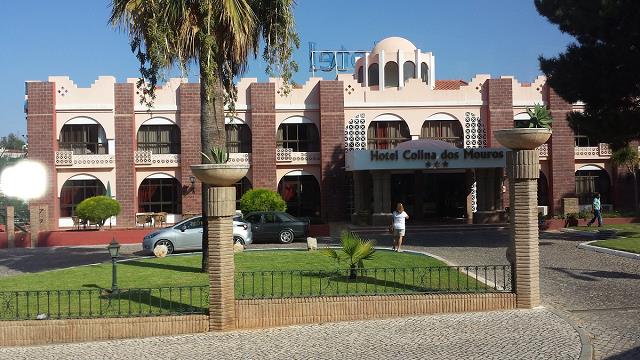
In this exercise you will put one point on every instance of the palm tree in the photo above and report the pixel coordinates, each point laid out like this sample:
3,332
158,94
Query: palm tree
355,250
215,35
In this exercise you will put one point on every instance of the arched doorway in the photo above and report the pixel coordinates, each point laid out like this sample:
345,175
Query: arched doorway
160,136
591,179
76,189
160,193
83,136
301,191
543,190
242,187
386,131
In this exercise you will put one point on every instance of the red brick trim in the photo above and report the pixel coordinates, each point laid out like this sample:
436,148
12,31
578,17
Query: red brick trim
262,97
125,135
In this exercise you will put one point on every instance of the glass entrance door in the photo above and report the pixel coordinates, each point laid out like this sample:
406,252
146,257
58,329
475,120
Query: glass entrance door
302,194
430,195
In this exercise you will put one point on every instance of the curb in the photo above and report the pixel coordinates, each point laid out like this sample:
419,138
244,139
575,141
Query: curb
587,246
587,234
586,351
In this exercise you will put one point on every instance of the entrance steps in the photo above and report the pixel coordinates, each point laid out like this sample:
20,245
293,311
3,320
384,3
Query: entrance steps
432,228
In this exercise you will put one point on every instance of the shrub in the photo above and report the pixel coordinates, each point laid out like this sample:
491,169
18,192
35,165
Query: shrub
98,209
262,200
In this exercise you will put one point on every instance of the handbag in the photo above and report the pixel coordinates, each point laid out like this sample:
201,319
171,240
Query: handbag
391,228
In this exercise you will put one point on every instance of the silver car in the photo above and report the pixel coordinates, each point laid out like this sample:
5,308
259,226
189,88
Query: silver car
187,235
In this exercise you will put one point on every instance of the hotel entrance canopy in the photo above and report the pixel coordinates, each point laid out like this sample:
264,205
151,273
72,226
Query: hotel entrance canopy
427,155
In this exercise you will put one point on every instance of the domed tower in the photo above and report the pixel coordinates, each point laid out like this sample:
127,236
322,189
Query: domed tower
393,62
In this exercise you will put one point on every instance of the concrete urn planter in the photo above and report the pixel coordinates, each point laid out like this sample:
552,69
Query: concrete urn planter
522,138
220,174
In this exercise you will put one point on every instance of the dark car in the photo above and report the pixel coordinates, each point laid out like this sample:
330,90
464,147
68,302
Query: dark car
276,225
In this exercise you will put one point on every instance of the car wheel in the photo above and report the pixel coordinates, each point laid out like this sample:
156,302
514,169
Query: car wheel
238,240
286,236
166,243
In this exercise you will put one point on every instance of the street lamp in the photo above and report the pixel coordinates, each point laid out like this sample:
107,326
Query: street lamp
114,249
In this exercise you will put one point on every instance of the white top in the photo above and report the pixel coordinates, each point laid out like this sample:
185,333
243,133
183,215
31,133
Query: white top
398,220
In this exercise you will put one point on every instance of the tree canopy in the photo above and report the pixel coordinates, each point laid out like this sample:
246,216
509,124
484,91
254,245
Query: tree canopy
600,68
11,141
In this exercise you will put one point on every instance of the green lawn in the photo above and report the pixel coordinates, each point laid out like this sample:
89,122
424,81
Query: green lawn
627,237
175,284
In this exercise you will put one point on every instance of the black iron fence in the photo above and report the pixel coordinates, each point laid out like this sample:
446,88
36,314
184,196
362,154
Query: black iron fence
374,281
97,303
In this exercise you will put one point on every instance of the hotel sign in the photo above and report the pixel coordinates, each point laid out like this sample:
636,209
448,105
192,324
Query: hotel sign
417,159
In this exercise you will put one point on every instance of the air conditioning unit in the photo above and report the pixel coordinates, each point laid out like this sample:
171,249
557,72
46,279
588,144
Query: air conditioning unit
544,210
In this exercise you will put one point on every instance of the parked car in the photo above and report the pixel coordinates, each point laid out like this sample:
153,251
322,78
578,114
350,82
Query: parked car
276,225
187,235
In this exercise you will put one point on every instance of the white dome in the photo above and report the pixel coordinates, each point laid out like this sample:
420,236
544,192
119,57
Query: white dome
393,44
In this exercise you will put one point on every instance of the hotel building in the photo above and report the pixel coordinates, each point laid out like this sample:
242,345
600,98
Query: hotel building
336,150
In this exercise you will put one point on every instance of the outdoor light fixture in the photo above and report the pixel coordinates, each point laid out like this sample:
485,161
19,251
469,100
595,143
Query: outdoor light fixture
193,181
114,250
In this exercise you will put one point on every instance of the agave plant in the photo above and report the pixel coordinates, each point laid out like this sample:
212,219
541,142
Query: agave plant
354,251
539,117
217,155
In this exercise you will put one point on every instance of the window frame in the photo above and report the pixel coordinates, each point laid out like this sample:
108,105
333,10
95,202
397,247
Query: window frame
165,205
68,132
391,142
70,185
458,141
173,146
312,144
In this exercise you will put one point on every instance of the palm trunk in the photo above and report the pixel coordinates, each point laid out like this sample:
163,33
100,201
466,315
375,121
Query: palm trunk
635,191
212,132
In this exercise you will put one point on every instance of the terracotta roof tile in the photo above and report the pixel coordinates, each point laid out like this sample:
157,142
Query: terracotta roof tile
449,84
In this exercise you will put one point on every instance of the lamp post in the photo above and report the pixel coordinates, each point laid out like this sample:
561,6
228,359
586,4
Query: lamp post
114,249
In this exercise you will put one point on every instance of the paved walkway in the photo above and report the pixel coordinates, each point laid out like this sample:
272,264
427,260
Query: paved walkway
518,334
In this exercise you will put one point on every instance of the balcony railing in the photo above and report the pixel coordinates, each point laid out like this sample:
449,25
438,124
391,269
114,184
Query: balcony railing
544,150
287,155
145,157
589,152
240,158
68,158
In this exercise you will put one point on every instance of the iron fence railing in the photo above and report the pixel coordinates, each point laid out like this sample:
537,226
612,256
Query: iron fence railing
96,303
374,281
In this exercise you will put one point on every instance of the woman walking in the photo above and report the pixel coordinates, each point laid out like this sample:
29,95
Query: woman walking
398,225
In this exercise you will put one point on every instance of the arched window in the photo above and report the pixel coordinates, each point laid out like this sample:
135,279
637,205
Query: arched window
242,187
238,138
424,72
299,137
391,74
373,75
74,191
589,180
83,139
360,74
159,139
160,194
408,70
387,134
302,194
443,130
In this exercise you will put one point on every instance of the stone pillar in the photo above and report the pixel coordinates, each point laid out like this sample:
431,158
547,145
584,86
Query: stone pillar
221,208
381,197
10,227
38,220
263,139
126,145
523,170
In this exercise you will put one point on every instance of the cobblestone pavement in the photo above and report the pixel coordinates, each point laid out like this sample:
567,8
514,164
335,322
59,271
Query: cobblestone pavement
492,335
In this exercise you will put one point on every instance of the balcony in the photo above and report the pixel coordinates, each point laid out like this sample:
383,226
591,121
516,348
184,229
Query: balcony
288,156
68,158
602,151
149,159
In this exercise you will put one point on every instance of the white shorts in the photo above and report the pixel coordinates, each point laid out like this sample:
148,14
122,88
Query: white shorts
398,232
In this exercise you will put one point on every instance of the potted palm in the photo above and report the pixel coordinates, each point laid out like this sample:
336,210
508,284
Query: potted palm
529,134
215,171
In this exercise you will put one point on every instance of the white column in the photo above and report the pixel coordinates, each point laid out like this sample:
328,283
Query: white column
381,70
400,69
432,72
417,73
365,70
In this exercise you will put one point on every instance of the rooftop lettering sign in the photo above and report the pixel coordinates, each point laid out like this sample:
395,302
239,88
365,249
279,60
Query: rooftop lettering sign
416,159
340,61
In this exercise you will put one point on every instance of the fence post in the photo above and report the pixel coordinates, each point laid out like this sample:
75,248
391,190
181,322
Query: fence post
10,227
221,208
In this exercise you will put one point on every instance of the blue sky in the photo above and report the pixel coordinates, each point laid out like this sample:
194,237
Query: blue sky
72,37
